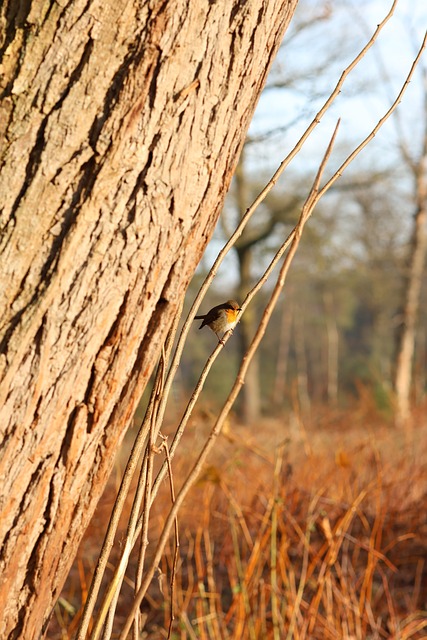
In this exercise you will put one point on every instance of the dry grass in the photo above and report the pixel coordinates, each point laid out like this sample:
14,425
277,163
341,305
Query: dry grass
295,530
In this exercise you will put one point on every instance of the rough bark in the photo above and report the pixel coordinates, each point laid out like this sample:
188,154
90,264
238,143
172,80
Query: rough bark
120,126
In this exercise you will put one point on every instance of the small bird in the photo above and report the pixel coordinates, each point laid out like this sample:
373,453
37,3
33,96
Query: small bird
221,318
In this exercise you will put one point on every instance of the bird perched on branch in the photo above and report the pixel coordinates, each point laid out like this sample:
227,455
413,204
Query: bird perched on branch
221,318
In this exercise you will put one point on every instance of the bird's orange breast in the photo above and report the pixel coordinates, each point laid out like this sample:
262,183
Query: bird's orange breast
231,315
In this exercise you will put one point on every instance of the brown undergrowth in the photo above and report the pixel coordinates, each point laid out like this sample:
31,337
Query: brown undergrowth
313,529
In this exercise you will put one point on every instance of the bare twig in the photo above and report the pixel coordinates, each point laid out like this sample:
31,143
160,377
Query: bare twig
143,482
132,463
176,552
192,476
378,126
230,243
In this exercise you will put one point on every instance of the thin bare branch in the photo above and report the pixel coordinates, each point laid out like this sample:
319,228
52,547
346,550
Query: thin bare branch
192,476
144,484
131,466
378,126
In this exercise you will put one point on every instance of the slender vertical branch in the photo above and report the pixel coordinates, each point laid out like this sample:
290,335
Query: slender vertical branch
192,476
131,466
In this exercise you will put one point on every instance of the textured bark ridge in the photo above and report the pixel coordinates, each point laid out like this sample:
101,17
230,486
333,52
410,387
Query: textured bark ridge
120,126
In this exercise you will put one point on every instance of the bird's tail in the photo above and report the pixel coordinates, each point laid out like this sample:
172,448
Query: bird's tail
199,317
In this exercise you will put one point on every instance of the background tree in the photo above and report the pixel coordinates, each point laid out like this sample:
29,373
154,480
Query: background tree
274,213
416,163
120,129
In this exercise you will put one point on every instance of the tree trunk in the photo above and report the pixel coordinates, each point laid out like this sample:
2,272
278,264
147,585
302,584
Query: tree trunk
249,401
120,127
279,388
332,346
301,362
412,290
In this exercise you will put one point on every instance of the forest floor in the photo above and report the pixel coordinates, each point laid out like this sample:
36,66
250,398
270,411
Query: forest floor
313,529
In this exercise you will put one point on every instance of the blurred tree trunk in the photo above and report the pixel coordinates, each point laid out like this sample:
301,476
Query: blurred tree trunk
120,127
301,361
253,235
405,344
250,400
412,290
332,347
279,387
